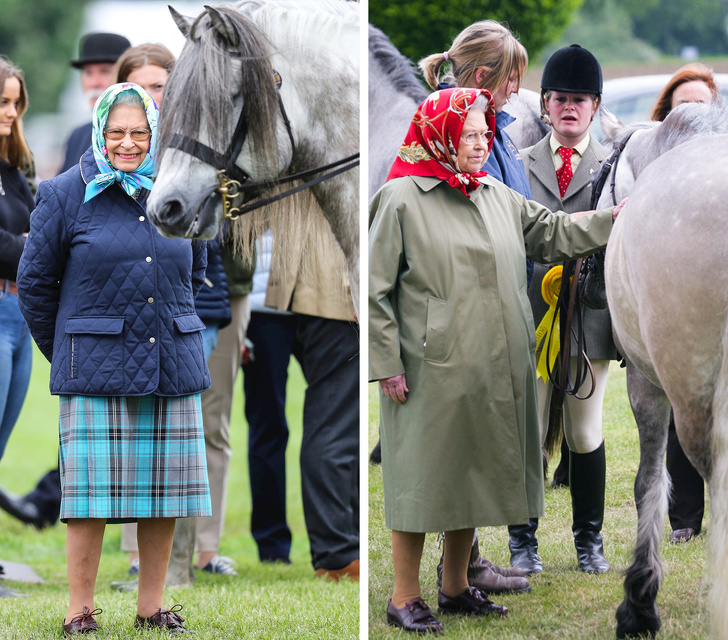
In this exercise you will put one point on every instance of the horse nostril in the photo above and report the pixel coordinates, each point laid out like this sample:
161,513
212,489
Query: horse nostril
172,211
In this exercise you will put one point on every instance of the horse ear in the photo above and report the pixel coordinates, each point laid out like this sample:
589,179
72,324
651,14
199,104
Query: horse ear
183,23
221,25
611,125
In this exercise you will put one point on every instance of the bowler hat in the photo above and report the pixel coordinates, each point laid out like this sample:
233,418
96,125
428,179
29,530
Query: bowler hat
100,47
572,70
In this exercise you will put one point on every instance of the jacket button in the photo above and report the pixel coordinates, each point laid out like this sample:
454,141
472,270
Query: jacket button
149,259
150,300
141,218
152,340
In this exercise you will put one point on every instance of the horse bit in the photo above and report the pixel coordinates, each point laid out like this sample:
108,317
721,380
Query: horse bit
234,181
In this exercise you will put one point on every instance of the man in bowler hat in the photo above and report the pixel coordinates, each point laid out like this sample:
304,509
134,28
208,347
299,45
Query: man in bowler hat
97,54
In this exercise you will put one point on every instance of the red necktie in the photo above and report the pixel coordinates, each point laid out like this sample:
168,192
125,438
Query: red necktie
565,173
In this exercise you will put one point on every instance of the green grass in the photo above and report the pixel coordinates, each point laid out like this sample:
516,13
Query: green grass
564,603
263,602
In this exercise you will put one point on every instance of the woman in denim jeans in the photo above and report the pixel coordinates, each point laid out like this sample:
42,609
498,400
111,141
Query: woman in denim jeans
16,203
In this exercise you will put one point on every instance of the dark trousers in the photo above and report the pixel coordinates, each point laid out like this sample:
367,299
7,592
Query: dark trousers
264,382
47,496
687,500
328,351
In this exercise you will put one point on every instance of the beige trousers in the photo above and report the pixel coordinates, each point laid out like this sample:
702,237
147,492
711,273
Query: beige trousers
582,418
224,364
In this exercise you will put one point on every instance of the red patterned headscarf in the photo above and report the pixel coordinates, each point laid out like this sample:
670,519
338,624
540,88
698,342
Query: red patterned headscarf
431,144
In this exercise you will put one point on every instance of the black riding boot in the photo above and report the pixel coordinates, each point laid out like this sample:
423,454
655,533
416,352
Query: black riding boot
524,547
561,474
587,479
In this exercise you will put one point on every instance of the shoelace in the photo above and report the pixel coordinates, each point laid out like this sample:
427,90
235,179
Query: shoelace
170,617
86,615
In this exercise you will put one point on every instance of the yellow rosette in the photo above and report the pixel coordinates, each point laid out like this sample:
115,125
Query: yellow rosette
546,339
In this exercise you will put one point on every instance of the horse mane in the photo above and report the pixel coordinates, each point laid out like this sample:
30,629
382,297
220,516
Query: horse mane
685,122
209,72
400,69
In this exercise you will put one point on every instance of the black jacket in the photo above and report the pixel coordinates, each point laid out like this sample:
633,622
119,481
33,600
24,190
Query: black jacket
16,203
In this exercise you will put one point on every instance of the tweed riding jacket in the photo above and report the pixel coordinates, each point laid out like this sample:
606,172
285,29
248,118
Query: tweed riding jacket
108,299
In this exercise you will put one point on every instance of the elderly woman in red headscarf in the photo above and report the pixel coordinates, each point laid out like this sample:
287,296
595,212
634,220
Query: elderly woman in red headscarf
452,344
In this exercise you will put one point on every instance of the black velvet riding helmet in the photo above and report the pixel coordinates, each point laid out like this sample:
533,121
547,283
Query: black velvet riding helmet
572,69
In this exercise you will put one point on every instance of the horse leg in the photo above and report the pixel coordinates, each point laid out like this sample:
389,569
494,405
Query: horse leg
638,615
718,486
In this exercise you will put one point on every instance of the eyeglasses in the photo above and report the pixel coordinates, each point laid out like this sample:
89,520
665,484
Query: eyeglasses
138,135
471,138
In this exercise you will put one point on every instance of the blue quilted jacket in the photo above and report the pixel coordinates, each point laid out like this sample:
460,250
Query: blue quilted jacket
108,299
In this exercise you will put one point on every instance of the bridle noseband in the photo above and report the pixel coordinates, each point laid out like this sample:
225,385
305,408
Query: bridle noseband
235,182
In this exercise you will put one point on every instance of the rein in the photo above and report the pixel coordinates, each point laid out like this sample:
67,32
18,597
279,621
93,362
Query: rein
570,303
235,182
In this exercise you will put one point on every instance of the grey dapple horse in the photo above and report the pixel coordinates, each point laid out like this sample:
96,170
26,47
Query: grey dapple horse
262,89
668,295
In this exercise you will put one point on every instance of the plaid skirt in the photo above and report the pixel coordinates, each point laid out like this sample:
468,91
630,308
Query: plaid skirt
124,458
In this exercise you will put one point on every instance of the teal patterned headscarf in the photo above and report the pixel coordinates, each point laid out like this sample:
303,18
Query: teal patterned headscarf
130,182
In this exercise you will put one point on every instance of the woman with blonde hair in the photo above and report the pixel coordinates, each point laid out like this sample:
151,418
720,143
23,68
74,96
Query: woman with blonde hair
486,55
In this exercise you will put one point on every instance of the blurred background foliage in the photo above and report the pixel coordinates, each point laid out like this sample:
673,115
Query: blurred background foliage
614,30
40,37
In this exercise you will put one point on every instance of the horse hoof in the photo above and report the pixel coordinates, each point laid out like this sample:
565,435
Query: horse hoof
637,623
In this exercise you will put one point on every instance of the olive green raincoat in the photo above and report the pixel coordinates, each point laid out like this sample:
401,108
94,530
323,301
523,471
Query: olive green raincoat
448,308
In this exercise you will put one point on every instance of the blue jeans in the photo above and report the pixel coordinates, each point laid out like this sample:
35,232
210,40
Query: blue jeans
16,358
209,339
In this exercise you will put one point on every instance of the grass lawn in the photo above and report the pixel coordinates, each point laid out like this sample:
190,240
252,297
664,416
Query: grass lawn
265,601
564,603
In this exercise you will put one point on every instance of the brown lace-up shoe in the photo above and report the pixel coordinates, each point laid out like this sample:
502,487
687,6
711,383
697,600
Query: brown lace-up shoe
83,623
168,619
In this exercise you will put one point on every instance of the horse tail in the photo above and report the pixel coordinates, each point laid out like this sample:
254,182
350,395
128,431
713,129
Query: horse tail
718,539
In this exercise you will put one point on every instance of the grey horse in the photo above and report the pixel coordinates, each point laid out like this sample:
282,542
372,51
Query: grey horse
668,296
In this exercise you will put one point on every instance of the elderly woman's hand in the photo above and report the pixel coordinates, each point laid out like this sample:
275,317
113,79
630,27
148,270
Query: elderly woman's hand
395,388
618,208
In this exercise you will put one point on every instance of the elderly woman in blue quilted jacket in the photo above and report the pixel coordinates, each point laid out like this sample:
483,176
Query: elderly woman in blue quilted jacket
110,303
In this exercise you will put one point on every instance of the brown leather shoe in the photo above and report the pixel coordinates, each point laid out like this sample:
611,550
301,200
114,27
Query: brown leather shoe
350,571
168,619
83,623
489,577
472,601
415,616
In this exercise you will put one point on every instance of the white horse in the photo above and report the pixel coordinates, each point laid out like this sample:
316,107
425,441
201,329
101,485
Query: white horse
263,89
668,295
395,92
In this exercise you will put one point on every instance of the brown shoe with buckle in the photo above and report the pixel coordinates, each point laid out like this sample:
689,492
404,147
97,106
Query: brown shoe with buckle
350,571
83,623
415,616
168,619
489,577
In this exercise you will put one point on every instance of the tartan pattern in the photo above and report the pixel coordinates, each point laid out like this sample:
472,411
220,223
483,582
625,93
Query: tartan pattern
123,458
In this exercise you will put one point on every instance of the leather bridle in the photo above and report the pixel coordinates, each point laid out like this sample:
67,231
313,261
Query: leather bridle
236,183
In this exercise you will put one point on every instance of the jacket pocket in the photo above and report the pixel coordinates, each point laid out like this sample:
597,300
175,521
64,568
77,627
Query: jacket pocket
435,331
188,323
96,342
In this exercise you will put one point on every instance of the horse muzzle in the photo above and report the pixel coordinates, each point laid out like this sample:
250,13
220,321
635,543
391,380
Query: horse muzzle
175,221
